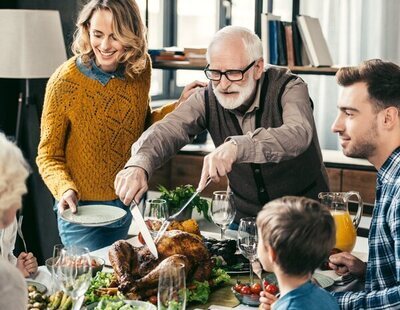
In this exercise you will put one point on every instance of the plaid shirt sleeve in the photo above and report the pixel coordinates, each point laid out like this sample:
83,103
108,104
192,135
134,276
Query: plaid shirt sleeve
385,299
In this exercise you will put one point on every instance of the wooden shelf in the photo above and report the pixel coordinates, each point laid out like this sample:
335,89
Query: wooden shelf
186,65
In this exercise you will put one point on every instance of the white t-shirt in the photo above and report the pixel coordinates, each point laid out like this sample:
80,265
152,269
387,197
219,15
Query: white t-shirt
13,288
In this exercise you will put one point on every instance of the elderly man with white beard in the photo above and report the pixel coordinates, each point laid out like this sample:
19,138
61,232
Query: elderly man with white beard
260,120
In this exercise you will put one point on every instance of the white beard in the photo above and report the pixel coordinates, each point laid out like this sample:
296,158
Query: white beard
244,93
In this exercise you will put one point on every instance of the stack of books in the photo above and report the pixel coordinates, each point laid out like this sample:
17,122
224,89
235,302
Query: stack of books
167,54
297,43
196,55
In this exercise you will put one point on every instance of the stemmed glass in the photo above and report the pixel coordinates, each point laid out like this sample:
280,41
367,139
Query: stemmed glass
156,211
172,287
222,210
247,241
53,263
74,273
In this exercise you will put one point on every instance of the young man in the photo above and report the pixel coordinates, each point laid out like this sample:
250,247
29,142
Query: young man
260,120
296,234
368,125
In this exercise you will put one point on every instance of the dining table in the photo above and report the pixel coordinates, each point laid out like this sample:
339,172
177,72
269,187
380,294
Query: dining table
222,298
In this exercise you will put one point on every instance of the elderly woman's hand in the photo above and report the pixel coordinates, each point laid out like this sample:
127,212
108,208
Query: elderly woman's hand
27,264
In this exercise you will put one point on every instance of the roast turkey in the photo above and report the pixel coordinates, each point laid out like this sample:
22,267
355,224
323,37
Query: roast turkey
137,270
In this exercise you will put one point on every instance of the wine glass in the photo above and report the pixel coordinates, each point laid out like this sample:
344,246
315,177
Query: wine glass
156,212
222,210
74,273
247,241
172,287
52,264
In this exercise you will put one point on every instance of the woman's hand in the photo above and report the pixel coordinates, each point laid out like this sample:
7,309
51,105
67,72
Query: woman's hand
189,90
69,200
27,264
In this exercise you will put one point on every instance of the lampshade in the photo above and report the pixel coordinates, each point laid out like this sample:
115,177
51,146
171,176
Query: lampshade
32,43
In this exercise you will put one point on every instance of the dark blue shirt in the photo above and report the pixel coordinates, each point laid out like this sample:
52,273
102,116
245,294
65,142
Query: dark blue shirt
382,279
95,73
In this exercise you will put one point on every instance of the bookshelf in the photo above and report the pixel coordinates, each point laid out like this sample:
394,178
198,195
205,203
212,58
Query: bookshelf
186,65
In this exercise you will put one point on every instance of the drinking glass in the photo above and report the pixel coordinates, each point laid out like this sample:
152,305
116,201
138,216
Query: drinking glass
74,273
52,264
247,241
222,210
172,287
155,213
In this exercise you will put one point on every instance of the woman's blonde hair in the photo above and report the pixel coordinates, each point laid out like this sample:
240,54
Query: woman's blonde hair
13,173
128,29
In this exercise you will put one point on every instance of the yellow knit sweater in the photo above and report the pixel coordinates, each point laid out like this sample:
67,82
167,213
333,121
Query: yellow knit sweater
87,130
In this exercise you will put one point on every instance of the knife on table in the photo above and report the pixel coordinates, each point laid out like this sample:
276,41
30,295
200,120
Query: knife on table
143,228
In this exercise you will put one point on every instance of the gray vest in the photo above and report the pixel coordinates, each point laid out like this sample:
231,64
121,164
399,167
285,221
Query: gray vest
254,185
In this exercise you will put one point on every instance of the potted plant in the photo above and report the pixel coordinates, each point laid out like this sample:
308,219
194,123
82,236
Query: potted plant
177,197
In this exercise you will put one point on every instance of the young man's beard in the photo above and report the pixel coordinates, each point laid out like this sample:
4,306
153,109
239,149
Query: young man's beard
365,147
244,94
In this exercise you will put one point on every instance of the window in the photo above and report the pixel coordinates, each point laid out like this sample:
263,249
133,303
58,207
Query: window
154,37
197,23
243,13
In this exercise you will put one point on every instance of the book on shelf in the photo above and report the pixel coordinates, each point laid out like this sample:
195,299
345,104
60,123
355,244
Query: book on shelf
196,55
314,41
287,26
265,34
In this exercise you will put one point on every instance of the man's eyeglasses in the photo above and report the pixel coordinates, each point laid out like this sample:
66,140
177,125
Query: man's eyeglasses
231,75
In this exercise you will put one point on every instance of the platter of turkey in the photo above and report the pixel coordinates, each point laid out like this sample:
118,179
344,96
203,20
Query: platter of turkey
136,271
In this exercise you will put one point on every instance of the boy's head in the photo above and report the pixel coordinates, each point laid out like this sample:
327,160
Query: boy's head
298,232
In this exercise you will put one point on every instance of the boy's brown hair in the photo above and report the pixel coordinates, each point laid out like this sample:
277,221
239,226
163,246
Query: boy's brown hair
300,230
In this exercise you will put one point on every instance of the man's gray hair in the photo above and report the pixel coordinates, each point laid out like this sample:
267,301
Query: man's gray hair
251,41
13,173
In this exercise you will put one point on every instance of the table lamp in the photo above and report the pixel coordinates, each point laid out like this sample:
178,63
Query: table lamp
32,47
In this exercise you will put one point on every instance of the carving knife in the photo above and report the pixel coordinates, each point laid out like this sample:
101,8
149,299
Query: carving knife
143,228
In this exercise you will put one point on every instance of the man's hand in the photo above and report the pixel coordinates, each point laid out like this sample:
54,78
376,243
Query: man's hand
218,163
27,264
130,184
189,90
267,299
344,263
69,200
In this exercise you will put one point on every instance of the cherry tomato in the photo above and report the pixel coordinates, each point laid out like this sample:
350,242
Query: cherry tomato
153,299
272,289
265,283
245,290
256,288
238,287
140,238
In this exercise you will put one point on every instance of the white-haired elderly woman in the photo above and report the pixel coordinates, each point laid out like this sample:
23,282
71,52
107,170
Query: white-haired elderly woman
13,173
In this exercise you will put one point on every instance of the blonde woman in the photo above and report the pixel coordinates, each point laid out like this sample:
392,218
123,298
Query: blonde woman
13,173
96,105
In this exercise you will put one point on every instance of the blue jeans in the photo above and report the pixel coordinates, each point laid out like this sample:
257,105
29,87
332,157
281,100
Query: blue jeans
94,237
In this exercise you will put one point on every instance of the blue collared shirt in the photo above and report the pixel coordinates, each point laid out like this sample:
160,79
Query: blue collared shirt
95,73
382,280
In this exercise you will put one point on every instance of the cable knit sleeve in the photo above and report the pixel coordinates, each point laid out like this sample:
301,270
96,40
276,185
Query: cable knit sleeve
54,130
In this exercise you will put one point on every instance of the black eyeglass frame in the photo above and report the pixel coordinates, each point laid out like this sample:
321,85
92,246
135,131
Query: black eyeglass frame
221,73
